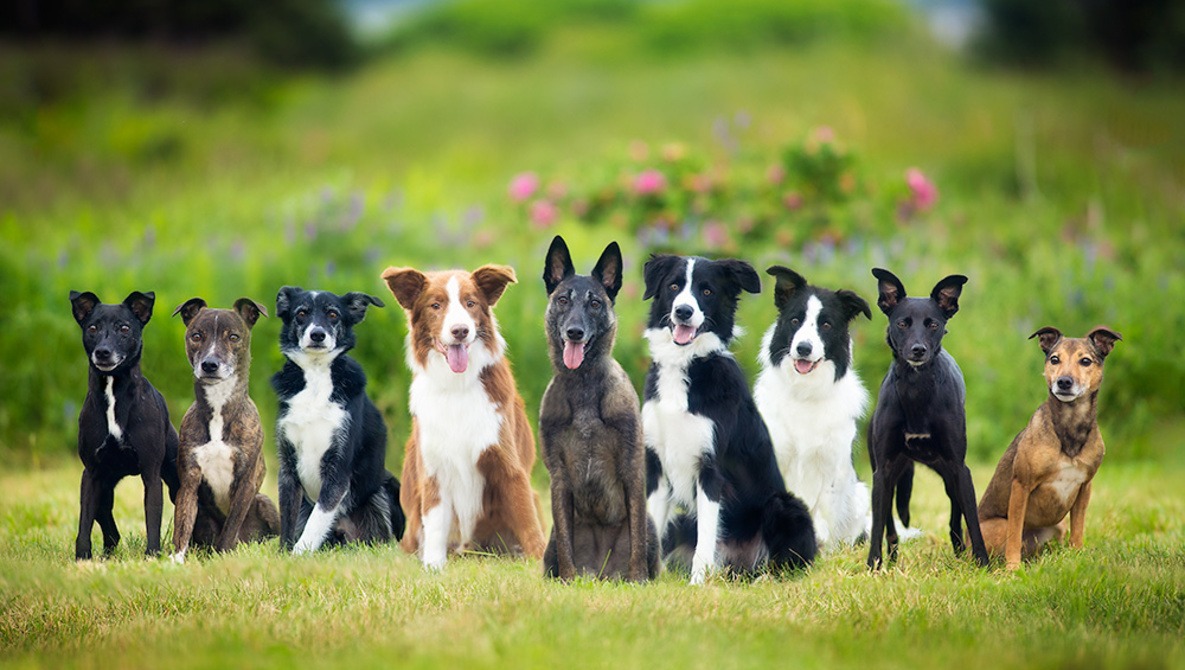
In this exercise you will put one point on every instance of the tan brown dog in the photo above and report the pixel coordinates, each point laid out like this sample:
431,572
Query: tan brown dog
220,456
1046,472
467,466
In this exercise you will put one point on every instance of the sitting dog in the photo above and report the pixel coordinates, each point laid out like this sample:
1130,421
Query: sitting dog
123,428
334,485
220,456
1046,472
467,465
591,432
708,451
810,397
920,414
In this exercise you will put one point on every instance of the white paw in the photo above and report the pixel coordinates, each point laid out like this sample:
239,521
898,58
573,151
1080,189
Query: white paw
303,548
178,558
434,563
698,576
822,532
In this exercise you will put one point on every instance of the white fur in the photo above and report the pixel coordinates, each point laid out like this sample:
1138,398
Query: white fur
686,297
456,315
313,421
112,425
456,421
707,524
1068,482
812,422
215,458
809,333
317,528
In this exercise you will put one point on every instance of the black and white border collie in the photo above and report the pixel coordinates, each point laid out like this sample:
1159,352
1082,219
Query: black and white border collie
811,398
332,440
712,471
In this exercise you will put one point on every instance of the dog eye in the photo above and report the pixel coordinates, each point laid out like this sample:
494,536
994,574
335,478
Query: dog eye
1055,359
436,305
595,304
196,337
125,329
302,314
470,304
794,323
826,325
562,301
933,325
234,337
332,316
1086,362
902,324
674,288
92,329
707,291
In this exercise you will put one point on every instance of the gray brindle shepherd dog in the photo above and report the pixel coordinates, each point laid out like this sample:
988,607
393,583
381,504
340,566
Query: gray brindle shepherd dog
591,431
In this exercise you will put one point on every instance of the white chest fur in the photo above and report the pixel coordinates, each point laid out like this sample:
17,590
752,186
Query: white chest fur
680,438
1068,481
112,425
312,423
215,458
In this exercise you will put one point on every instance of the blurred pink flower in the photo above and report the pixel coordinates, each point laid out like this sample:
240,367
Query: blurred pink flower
698,183
715,234
673,151
792,200
923,193
776,174
523,186
650,182
823,134
543,213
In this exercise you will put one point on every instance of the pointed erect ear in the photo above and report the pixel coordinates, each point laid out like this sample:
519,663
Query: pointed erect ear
946,293
284,300
608,270
743,274
890,290
853,304
356,304
558,265
1047,337
1103,339
141,305
83,304
189,309
786,283
249,310
492,280
655,270
406,284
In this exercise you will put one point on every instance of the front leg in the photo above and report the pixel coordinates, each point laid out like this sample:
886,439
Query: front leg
561,512
88,498
1078,516
242,497
291,494
635,500
438,522
707,534
334,487
185,511
153,507
1018,504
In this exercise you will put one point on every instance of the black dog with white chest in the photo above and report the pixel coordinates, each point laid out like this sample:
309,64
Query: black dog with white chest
123,428
334,486
716,491
920,415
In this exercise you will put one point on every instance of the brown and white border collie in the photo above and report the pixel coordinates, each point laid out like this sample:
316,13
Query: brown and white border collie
467,467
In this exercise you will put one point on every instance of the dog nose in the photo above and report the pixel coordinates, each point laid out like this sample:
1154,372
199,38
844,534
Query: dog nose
576,334
317,335
804,348
209,366
460,332
918,350
684,312
103,354
1064,383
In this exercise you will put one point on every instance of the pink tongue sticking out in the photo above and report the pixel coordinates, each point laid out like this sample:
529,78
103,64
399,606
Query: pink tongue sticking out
684,334
573,354
458,357
803,366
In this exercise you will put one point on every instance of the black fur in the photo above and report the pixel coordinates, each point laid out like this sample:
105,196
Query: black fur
353,471
920,414
759,520
147,446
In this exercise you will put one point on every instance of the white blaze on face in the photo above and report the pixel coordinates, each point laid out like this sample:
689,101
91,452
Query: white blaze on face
306,342
456,351
808,333
685,331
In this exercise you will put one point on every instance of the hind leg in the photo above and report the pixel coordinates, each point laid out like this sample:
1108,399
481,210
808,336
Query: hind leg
956,515
205,530
372,519
1035,539
106,519
995,534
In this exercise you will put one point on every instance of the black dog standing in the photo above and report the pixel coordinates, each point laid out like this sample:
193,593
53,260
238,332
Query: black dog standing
920,415
123,428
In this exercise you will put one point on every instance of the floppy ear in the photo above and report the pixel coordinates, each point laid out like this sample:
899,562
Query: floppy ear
890,290
743,274
83,304
284,300
492,280
786,283
1047,337
654,270
406,284
853,304
141,305
356,304
1103,339
189,309
946,293
608,270
249,310
558,265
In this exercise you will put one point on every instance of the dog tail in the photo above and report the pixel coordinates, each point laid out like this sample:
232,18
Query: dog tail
904,493
788,532
398,519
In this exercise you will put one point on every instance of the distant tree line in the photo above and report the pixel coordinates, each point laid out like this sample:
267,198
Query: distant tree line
294,33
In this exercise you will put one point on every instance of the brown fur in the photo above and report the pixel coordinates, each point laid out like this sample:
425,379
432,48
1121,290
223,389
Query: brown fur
509,521
250,516
1046,472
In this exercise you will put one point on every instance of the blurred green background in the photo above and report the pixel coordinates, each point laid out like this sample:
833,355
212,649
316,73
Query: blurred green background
224,149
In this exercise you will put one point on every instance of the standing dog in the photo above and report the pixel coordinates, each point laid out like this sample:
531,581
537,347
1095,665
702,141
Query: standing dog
467,466
334,485
1046,472
123,428
920,415
590,430
811,398
220,456
708,450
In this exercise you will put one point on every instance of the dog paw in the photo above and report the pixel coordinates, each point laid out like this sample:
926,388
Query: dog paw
1012,567
178,558
434,564
302,548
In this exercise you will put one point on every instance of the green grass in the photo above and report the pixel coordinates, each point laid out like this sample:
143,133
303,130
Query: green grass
1117,603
